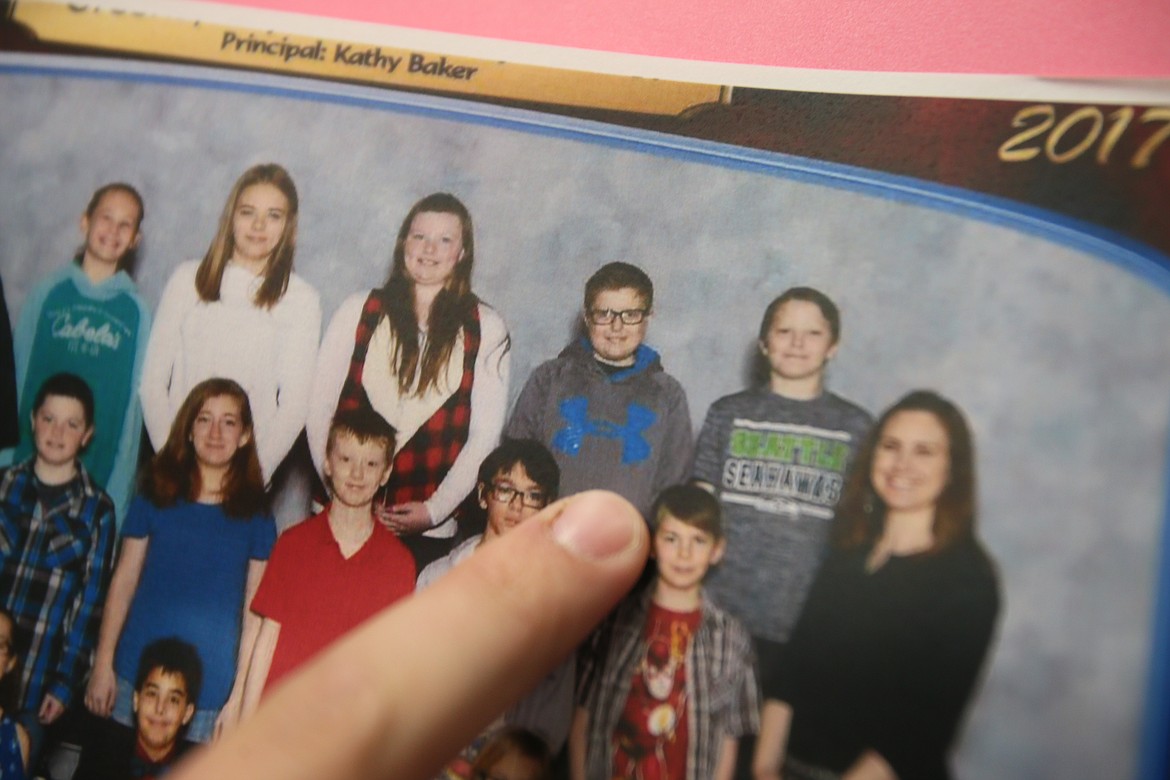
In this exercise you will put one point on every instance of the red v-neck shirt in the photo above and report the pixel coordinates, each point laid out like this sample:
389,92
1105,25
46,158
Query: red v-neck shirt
317,595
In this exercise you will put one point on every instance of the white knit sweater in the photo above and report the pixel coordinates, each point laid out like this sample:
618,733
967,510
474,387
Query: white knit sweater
271,352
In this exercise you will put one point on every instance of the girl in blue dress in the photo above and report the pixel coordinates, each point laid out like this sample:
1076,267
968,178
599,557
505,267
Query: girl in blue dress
194,548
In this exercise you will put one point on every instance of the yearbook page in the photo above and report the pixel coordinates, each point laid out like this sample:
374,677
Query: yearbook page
1000,242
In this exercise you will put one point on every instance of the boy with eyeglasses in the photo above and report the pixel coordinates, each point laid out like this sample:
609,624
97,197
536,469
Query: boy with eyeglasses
611,415
335,570
517,480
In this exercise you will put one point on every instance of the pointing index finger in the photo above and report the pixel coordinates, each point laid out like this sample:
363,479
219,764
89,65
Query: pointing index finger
403,693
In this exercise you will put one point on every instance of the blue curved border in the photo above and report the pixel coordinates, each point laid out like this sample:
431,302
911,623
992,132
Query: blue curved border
1120,250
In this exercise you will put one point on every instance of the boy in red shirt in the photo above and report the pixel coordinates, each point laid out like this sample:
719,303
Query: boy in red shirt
676,688
336,569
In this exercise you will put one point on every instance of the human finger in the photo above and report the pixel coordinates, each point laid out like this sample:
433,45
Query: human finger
51,709
402,694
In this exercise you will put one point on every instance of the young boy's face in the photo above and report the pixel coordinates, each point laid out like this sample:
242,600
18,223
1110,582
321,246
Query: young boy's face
60,430
616,341
799,341
356,469
112,230
684,553
511,498
162,708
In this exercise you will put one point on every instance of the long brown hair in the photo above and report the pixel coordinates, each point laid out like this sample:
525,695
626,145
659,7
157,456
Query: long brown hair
861,513
451,308
280,263
174,472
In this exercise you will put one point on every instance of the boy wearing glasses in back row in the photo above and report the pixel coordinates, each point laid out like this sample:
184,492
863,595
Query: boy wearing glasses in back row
611,415
517,480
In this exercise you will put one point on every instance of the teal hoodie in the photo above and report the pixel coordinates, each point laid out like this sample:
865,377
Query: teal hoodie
99,332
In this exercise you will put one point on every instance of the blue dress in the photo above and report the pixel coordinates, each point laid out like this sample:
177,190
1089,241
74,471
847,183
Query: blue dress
192,586
11,760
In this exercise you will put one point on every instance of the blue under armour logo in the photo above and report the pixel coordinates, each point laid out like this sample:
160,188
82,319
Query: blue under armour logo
635,448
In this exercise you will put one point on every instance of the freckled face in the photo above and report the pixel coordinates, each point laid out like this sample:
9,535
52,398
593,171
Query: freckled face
616,341
258,222
433,247
60,430
218,431
912,462
799,341
356,469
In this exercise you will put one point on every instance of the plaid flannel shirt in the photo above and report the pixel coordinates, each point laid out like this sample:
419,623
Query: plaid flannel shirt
723,699
422,462
55,567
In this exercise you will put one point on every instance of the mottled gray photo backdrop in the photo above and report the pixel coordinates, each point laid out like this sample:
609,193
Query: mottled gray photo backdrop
1058,356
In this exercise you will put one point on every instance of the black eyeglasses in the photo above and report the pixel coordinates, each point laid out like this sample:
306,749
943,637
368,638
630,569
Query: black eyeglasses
627,316
504,493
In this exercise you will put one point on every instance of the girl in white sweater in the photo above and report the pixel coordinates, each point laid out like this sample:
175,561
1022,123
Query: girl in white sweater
240,313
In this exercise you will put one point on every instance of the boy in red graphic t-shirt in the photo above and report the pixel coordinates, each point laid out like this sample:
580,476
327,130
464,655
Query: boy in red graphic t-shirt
676,687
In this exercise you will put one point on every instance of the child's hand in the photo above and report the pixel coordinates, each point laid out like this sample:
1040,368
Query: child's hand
51,709
99,694
398,698
405,519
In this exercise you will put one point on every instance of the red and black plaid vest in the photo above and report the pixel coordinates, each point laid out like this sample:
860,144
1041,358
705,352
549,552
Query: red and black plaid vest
423,462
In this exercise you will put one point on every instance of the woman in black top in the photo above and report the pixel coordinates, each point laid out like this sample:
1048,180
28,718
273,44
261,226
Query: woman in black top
886,653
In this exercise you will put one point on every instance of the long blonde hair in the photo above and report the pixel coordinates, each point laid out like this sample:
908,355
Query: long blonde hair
280,264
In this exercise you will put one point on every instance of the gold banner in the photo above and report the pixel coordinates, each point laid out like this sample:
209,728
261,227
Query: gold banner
267,50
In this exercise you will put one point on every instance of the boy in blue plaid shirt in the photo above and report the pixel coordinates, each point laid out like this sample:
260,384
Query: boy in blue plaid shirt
56,550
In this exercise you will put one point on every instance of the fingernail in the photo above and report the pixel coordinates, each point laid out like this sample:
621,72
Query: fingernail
596,527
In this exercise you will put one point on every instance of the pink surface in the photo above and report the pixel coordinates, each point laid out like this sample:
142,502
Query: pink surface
1072,38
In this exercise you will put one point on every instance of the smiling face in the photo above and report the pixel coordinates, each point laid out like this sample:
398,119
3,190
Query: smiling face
356,469
911,464
799,342
684,553
112,229
218,432
522,494
432,248
616,342
60,430
258,223
162,708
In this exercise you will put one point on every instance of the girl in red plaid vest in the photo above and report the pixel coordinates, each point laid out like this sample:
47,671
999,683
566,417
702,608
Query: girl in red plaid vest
425,353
